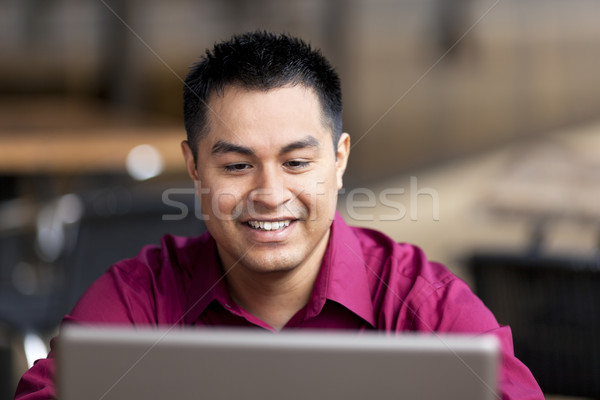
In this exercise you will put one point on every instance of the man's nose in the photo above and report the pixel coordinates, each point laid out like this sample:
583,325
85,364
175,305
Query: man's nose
270,189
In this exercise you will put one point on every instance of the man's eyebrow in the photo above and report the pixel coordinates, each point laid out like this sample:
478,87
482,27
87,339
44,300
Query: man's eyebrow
308,141
222,147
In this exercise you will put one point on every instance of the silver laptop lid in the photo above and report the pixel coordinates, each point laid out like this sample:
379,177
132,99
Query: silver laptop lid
114,363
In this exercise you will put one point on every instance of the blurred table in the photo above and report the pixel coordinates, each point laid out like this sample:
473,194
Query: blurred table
63,136
555,178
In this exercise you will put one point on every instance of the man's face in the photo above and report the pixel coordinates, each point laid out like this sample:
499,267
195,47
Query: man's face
267,176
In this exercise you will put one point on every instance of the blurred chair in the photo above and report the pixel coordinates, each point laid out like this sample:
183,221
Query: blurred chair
6,383
553,308
45,269
30,290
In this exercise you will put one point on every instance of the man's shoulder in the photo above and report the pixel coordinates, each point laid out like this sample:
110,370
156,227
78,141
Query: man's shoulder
148,288
401,280
173,253
385,255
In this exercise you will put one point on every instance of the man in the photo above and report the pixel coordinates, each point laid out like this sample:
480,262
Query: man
266,153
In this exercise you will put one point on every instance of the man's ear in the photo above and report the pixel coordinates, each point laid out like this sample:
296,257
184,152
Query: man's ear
342,153
190,162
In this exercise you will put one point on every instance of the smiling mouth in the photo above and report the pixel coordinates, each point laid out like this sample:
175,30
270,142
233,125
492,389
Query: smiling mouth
269,225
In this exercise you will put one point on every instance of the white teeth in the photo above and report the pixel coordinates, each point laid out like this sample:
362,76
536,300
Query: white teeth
269,225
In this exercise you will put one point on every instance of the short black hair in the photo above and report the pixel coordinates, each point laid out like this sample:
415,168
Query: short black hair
259,60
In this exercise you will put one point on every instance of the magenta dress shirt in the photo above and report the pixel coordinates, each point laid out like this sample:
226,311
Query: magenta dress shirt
366,282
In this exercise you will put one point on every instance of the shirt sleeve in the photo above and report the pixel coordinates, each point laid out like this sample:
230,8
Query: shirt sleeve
115,298
455,308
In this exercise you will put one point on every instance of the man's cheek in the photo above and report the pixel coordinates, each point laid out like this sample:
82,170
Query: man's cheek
311,191
225,205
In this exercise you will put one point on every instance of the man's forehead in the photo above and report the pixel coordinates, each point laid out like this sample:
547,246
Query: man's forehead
278,117
246,106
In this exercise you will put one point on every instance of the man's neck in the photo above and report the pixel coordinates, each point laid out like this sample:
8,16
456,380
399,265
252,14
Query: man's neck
275,297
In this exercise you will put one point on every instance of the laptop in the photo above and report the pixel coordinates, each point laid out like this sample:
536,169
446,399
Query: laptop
117,363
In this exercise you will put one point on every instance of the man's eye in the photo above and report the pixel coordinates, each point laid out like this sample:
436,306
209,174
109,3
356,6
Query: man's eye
296,164
237,167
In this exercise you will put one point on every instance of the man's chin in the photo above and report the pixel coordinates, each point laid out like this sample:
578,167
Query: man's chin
269,263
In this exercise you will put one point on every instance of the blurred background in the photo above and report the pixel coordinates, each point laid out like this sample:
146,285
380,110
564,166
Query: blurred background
475,130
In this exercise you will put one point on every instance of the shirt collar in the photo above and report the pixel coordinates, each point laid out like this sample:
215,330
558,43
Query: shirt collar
342,277
208,283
